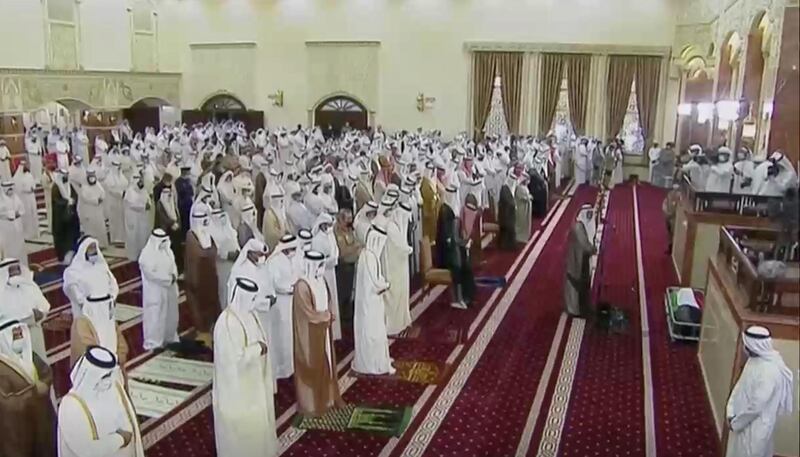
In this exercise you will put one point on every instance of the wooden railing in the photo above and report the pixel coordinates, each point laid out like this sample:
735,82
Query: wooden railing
739,249
725,203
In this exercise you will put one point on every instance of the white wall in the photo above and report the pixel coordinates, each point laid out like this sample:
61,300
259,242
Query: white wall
21,34
421,43
105,35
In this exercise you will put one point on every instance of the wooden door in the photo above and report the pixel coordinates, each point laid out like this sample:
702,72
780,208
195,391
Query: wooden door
335,113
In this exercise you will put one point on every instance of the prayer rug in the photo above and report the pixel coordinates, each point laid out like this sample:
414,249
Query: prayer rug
421,372
154,401
166,368
414,371
379,421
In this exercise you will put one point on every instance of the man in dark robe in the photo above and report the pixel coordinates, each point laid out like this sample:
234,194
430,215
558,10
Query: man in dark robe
166,181
343,196
200,276
452,249
349,249
507,215
27,418
185,194
538,189
258,197
66,226
580,248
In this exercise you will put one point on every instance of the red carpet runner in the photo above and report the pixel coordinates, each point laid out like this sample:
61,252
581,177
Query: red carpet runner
684,422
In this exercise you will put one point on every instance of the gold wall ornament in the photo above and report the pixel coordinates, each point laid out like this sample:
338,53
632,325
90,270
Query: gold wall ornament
277,98
424,103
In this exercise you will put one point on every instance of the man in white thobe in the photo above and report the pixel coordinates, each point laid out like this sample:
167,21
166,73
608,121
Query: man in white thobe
90,209
324,242
22,300
12,233
115,184
34,148
137,206
77,173
88,275
280,334
583,163
743,171
224,237
96,418
242,396
653,154
774,176
762,393
159,292
395,259
25,188
5,161
369,322
720,174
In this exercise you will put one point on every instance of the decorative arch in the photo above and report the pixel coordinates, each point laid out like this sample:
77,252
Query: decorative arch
334,112
150,102
222,101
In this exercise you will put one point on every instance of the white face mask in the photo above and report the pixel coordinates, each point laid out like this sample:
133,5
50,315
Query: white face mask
15,280
103,385
92,258
18,345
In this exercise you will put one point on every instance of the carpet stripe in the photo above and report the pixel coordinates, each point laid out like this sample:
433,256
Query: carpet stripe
533,415
649,419
426,431
420,403
551,437
541,391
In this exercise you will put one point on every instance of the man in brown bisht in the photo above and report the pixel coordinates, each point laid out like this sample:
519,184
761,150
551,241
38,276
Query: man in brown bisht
200,275
98,327
27,418
315,376
431,202
580,248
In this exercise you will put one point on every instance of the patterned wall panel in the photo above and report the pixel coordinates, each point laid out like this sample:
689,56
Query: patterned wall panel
27,90
349,68
63,47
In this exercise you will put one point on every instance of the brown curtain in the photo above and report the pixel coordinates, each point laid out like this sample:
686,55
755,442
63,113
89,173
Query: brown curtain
621,70
483,73
509,67
578,68
648,75
552,73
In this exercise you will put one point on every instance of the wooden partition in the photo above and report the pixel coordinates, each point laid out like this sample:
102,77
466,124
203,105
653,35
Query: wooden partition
728,310
698,219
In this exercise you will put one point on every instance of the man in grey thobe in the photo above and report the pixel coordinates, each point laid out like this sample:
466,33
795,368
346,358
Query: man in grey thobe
580,248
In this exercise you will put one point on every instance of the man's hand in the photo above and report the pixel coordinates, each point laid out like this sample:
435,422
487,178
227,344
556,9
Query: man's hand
175,227
126,437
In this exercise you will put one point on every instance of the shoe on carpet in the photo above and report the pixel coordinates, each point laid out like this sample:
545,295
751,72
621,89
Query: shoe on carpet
458,305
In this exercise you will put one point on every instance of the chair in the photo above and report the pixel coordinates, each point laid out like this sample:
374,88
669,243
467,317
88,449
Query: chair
432,276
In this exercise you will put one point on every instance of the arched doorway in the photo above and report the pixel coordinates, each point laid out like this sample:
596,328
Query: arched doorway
223,107
333,114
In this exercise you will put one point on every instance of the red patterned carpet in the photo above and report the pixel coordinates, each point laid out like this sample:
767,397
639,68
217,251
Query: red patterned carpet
509,355
196,435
